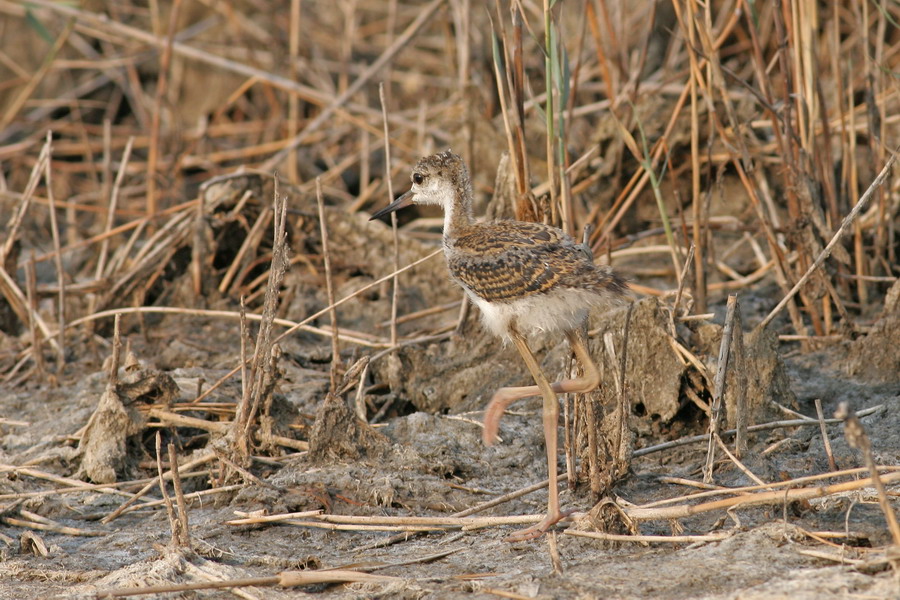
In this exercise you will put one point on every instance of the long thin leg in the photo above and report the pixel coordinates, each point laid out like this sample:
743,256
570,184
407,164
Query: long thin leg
551,421
506,396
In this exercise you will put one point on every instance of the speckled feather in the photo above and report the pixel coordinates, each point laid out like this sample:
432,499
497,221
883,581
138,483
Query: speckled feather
507,260
526,275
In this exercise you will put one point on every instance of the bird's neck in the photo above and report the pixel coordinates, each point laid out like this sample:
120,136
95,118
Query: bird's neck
457,215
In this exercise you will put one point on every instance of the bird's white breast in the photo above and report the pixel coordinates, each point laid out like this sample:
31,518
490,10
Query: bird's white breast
552,312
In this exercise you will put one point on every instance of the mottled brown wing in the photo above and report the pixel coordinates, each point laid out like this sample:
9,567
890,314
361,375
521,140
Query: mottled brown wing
512,259
498,236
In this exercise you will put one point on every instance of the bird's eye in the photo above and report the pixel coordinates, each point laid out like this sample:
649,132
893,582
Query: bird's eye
418,178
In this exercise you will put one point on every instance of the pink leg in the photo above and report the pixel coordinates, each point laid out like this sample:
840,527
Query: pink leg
505,396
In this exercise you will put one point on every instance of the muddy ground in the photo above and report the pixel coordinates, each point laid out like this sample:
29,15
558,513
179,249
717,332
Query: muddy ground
785,113
425,458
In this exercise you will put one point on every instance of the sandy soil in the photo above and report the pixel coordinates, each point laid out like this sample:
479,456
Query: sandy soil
426,459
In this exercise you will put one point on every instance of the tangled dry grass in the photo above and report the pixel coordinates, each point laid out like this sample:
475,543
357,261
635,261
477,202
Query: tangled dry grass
175,169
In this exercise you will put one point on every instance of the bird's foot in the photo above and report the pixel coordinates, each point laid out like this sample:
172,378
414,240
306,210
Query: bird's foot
494,411
538,529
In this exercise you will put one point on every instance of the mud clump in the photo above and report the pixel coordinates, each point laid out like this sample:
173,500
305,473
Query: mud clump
875,357
338,434
105,441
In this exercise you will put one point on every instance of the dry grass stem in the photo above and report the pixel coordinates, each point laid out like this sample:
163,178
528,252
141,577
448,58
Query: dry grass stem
650,539
743,490
184,531
60,271
759,499
74,485
719,390
154,482
381,523
706,149
826,252
760,427
737,462
31,296
177,539
857,438
36,521
225,489
423,16
824,432
263,373
162,84
220,427
336,366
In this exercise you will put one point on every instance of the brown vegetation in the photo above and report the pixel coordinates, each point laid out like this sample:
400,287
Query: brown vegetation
185,258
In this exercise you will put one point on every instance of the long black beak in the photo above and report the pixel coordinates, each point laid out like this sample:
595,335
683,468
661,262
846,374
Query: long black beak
401,202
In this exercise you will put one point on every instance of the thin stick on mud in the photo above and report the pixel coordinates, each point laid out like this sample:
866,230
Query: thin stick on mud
42,523
652,539
243,412
744,490
824,432
154,482
184,529
734,459
336,366
74,485
225,489
174,523
760,499
283,579
222,427
507,497
719,392
805,422
246,474
857,438
37,354
738,390
402,537
256,520
409,525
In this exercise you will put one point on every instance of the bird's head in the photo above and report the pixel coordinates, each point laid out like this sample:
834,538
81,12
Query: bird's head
440,179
